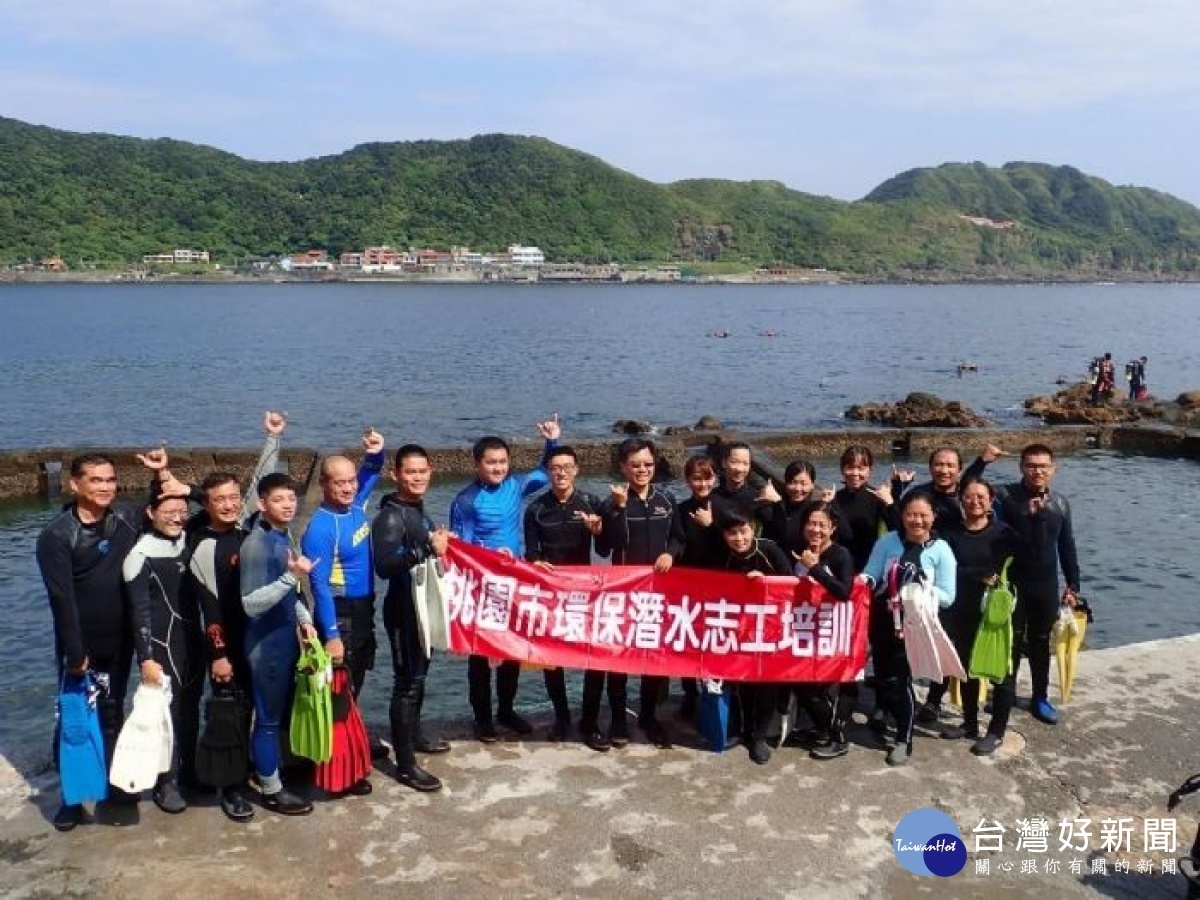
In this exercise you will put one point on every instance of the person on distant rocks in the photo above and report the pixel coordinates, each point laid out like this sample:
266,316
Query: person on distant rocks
1105,383
338,540
643,527
80,554
402,536
561,525
488,513
1135,374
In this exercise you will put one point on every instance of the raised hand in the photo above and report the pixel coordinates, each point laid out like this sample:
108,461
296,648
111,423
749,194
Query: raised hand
620,494
372,441
592,522
299,565
809,558
768,494
883,492
155,460
703,516
991,453
904,476
827,494
274,423
550,429
439,539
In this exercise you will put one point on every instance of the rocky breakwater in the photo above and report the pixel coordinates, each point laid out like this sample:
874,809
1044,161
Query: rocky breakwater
918,410
1072,406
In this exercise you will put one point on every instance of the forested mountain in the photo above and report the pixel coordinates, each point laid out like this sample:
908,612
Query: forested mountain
104,199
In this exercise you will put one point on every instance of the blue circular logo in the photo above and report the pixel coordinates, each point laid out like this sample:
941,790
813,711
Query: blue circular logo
928,842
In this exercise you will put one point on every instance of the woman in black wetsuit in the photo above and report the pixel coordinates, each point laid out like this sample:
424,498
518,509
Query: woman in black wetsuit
981,545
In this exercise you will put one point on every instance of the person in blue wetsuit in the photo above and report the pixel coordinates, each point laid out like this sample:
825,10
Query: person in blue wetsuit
271,571
488,513
402,536
338,541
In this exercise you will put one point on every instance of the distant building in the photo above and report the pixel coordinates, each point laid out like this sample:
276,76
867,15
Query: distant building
311,261
525,256
176,258
985,222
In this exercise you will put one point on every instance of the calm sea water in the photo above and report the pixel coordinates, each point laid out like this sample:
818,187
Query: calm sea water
131,365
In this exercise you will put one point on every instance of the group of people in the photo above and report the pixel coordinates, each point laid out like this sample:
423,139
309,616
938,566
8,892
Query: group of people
1103,375
220,594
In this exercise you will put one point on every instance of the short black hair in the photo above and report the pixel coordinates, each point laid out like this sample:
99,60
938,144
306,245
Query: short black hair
798,466
1036,450
854,453
819,506
633,445
946,449
274,482
491,442
733,518
87,460
563,450
912,497
408,450
217,479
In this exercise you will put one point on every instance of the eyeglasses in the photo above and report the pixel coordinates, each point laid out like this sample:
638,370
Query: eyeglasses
1038,467
561,470
175,517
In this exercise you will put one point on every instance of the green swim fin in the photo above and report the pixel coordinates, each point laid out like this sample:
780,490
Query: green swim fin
311,728
991,652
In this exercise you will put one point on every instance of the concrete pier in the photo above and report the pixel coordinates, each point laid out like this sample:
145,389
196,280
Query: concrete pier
535,819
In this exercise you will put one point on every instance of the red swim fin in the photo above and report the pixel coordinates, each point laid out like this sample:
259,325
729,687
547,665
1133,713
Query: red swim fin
333,775
358,755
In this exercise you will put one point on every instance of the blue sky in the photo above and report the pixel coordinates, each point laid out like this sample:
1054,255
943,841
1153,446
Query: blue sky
827,96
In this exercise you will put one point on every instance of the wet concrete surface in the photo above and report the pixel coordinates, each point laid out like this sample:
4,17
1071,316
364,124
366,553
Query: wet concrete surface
536,819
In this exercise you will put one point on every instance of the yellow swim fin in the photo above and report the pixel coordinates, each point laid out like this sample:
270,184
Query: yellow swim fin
1075,638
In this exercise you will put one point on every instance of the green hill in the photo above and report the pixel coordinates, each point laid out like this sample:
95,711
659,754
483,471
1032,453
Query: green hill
107,200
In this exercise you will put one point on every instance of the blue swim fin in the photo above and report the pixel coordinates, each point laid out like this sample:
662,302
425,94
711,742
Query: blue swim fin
81,766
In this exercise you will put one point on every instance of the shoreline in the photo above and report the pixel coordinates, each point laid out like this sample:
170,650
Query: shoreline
1096,279
41,472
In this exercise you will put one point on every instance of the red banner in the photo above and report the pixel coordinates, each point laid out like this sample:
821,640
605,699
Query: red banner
686,623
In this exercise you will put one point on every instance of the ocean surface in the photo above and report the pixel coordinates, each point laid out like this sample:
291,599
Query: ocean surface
132,365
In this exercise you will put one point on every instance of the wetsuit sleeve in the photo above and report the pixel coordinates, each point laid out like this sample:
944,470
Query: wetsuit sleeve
676,536
368,477
319,545
777,558
259,591
835,572
945,573
774,521
135,572
875,563
614,534
1067,557
54,560
533,544
203,566
974,470
268,461
390,552
600,544
462,518
538,478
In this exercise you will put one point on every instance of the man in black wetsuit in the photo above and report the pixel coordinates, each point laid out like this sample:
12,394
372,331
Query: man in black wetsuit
214,546
80,554
1042,520
402,536
559,526
642,526
945,475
